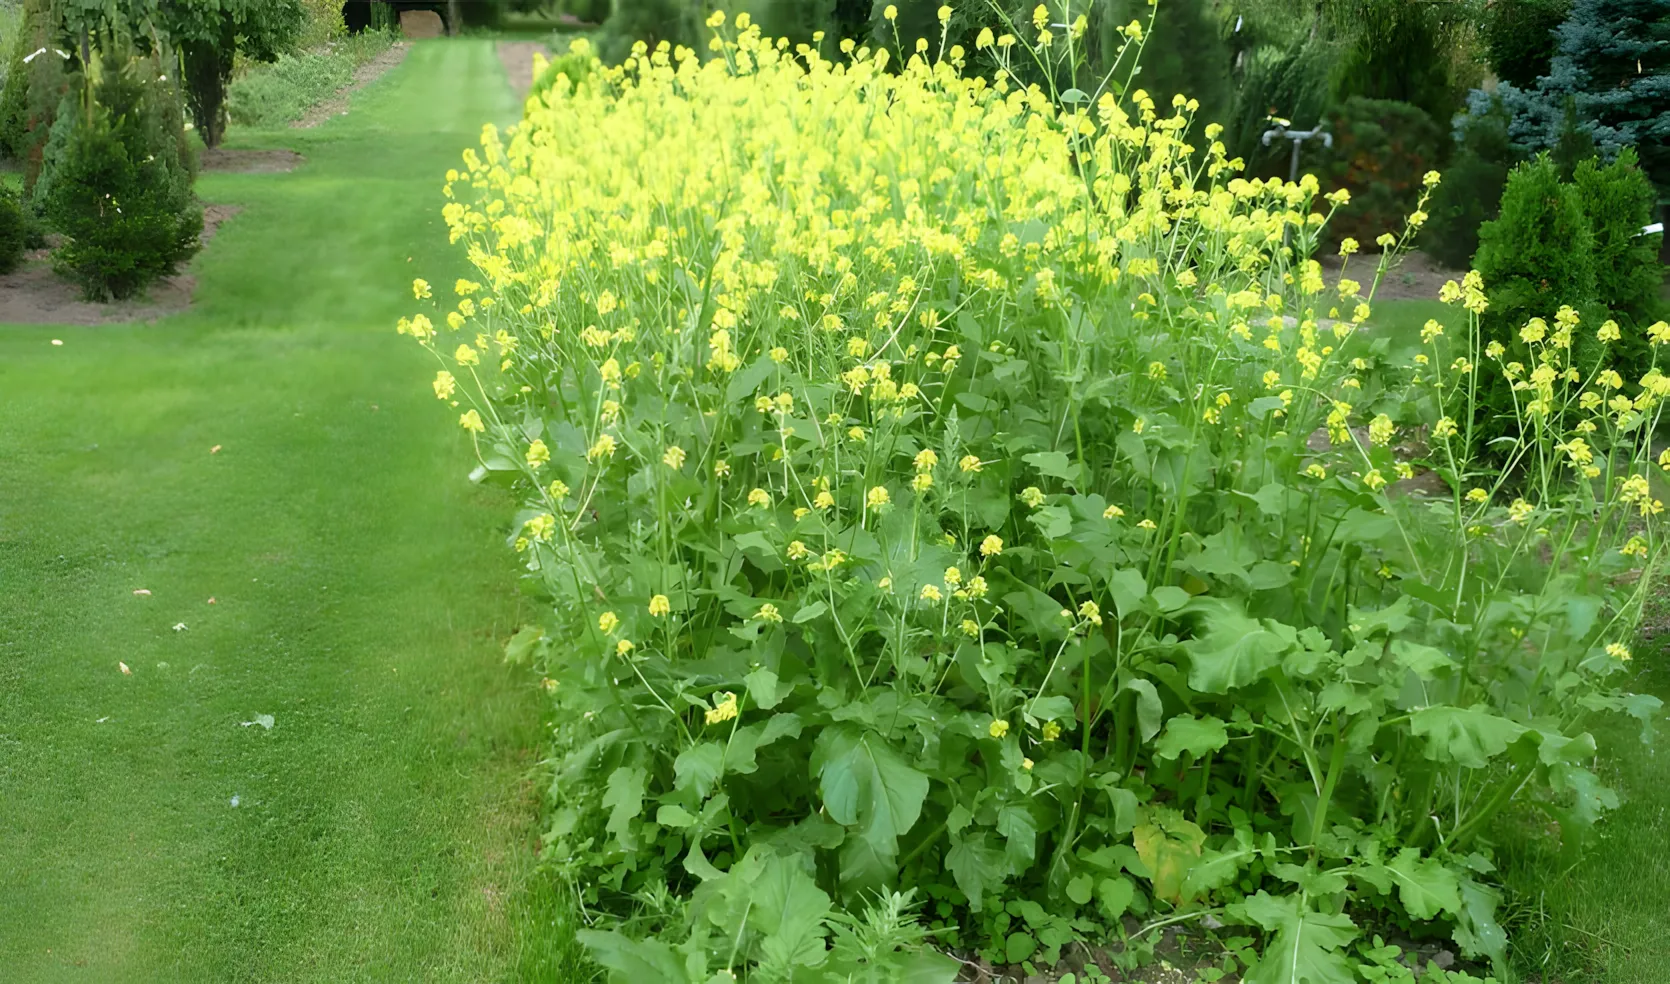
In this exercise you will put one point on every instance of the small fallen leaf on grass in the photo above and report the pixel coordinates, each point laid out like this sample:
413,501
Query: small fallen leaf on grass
215,449
264,720
179,626
211,601
142,592
124,668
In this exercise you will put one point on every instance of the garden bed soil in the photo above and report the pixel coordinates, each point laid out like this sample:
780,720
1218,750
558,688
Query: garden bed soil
34,295
517,59
222,160
1179,957
366,74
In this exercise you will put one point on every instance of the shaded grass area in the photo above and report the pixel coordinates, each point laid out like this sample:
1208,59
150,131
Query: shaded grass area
1600,914
383,827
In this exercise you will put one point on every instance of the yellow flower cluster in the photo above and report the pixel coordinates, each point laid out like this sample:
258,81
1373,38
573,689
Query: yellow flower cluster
800,277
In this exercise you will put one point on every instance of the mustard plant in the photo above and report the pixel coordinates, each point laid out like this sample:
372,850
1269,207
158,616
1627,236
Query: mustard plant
958,497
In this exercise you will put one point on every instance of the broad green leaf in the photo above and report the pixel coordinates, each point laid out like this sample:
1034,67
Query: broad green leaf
1114,894
1307,945
1128,589
1267,575
1042,612
521,646
1053,708
1362,526
1149,708
1476,931
1225,555
896,967
1235,650
1311,879
624,797
1425,885
1169,598
1581,611
1135,450
1218,868
1055,464
1423,661
673,815
1558,748
1262,406
789,909
697,768
809,612
1167,858
1020,832
759,549
1019,946
1467,736
740,748
632,961
867,785
1054,522
977,867
1197,736
1271,498
744,383
1392,619
1589,798
1080,888
785,725
763,688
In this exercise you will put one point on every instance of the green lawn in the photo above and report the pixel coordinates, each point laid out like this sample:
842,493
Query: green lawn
384,827
1600,918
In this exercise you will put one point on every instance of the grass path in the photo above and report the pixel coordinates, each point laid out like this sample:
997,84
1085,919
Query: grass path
360,585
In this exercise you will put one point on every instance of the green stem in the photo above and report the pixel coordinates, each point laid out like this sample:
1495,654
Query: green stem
1336,765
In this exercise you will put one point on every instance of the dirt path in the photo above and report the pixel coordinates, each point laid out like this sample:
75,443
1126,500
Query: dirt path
517,59
366,74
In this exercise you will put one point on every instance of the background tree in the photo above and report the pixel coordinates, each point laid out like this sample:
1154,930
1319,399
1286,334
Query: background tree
1473,184
1614,58
1519,38
210,34
1617,198
1609,78
1184,53
34,86
1413,52
119,191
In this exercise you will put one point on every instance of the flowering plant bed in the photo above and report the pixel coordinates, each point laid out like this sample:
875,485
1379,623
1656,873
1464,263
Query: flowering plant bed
967,519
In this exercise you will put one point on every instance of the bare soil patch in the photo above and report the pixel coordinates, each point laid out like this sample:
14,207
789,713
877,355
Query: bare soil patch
1414,277
34,295
517,59
226,161
363,76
